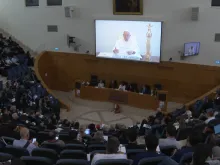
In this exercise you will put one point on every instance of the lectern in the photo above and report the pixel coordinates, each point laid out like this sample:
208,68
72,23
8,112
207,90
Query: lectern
162,97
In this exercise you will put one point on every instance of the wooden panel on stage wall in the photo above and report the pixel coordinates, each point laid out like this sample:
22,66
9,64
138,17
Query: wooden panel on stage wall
183,81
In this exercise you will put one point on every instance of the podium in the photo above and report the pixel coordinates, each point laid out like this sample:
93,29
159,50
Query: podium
162,97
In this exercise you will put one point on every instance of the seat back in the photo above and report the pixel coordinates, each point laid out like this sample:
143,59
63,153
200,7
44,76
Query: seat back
8,140
73,154
64,137
131,153
72,162
94,147
45,152
75,147
168,150
31,160
151,161
42,136
114,162
53,146
186,158
4,157
184,133
16,152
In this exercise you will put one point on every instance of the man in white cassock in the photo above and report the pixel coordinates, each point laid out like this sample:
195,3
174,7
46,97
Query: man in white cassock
126,45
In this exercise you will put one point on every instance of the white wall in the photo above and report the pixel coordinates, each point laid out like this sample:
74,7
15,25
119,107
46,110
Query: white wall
30,25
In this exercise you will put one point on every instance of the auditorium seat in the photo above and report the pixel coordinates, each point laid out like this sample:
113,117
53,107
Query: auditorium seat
72,162
73,154
152,161
131,153
75,147
96,152
94,147
114,162
16,152
168,150
53,146
45,152
186,158
32,160
4,157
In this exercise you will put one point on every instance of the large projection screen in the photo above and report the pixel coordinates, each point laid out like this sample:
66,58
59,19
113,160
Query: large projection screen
129,40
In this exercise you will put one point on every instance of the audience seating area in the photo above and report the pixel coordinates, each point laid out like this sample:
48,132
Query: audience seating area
32,132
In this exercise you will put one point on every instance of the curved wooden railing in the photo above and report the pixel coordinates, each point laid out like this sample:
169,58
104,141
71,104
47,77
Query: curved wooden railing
209,94
36,68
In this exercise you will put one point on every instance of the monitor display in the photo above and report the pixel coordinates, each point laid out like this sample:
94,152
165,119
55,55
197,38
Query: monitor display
191,48
129,40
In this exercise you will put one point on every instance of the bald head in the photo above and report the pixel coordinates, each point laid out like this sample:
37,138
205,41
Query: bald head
24,133
126,35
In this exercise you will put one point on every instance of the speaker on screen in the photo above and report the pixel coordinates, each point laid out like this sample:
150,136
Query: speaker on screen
129,40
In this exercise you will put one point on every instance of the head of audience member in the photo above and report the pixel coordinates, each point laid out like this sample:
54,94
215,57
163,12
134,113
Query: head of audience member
52,135
112,128
76,125
131,135
195,138
98,137
92,127
105,128
15,116
5,111
209,112
151,142
126,35
24,133
82,129
73,135
112,145
32,114
201,153
170,131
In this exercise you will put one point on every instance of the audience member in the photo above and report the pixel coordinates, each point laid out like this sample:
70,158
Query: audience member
203,154
210,115
97,138
193,139
24,141
132,139
170,140
111,151
151,144
73,136
54,140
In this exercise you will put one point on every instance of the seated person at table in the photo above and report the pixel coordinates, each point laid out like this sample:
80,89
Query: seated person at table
170,140
101,84
151,144
132,139
23,142
111,151
122,87
126,45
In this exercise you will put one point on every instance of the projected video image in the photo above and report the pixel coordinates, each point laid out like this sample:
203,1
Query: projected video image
130,40
191,49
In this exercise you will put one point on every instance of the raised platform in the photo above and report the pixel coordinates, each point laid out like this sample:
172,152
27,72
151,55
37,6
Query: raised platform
87,112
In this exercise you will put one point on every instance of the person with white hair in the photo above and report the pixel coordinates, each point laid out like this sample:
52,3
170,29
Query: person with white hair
24,141
126,45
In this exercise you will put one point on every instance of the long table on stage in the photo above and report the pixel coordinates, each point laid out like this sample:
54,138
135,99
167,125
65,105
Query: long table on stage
133,99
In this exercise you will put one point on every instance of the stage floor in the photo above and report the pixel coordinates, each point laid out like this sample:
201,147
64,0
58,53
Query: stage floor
87,112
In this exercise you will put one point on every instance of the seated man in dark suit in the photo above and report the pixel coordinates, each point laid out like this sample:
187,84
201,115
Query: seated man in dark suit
132,139
151,144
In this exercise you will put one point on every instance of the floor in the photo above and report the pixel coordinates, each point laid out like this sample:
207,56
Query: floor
86,112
